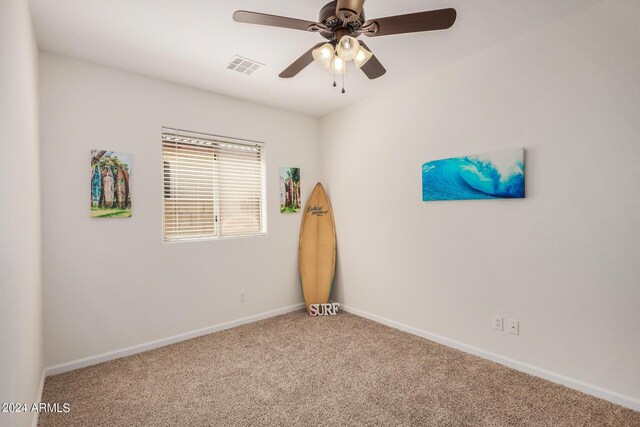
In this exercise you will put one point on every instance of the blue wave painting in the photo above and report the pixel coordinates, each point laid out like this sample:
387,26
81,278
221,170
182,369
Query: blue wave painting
496,175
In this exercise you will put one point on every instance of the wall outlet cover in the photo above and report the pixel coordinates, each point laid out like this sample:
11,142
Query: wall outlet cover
514,327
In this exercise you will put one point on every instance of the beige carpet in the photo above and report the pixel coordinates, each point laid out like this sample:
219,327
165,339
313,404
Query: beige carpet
297,370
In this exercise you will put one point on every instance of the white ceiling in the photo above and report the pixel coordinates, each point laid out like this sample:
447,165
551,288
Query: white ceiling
190,41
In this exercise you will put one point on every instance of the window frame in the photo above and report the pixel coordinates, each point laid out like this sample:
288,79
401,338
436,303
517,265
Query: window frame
200,139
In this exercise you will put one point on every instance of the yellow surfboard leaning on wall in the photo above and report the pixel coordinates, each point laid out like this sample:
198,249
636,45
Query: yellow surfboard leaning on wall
317,254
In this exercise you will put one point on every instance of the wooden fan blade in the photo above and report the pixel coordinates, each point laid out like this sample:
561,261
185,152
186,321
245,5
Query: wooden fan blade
299,64
271,20
372,68
412,23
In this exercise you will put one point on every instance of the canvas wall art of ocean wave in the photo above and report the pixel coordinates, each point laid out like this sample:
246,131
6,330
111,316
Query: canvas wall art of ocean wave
496,175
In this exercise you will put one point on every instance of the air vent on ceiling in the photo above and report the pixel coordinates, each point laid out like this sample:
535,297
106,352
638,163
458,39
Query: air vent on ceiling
243,65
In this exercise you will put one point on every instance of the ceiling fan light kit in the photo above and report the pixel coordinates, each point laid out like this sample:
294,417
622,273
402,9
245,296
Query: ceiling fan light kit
324,54
338,66
348,48
341,22
362,57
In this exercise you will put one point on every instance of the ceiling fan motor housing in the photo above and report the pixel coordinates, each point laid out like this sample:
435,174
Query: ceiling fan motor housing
334,24
349,10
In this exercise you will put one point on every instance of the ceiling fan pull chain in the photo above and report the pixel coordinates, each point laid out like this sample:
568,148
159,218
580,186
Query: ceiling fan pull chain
343,91
334,73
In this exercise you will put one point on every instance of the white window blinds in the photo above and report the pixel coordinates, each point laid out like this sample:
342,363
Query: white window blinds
213,186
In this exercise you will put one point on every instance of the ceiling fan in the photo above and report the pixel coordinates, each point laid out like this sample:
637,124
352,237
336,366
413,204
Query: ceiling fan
341,22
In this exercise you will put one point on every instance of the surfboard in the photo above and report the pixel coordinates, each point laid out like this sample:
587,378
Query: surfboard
121,188
108,186
317,251
96,186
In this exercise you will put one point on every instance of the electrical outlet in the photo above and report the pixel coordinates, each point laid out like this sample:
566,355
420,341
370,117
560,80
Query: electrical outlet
243,296
514,327
497,323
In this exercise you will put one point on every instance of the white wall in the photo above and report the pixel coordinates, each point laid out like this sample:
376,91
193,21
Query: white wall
565,260
20,242
112,283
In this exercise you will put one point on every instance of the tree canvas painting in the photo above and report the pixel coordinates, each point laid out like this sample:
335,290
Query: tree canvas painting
290,190
110,184
496,175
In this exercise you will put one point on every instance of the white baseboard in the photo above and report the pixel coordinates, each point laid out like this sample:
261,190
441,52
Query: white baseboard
611,396
116,354
36,415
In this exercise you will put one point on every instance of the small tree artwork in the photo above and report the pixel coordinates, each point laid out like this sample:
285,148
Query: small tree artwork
110,184
290,190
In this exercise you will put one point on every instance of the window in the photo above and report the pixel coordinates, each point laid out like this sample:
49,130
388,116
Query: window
213,187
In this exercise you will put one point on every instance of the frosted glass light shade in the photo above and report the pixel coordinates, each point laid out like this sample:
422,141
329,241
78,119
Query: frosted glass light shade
339,65
362,57
324,55
347,48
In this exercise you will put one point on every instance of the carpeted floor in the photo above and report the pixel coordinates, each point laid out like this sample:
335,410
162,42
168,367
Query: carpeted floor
297,370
